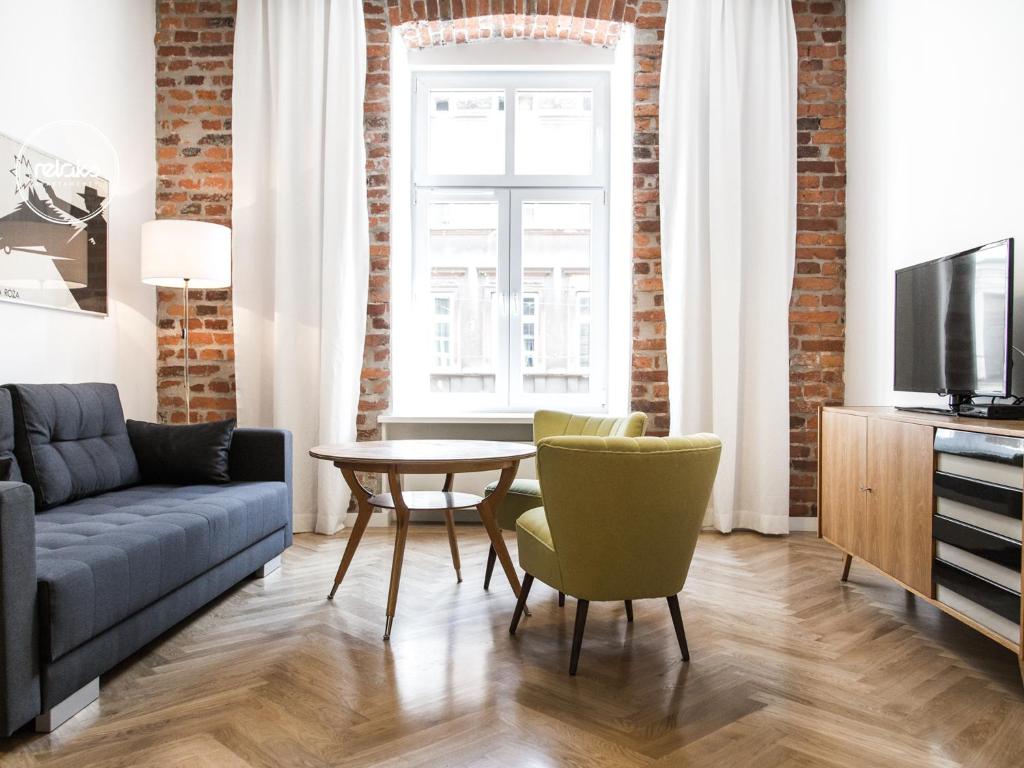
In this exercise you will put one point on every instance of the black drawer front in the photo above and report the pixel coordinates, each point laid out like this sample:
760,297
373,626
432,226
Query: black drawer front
976,493
990,546
975,445
981,591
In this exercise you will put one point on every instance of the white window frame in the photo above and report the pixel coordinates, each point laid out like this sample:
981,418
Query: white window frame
510,191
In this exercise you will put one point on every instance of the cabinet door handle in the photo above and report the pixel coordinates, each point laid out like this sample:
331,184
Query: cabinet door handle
866,488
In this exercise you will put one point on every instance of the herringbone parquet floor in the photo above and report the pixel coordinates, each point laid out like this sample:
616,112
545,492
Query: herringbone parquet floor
789,668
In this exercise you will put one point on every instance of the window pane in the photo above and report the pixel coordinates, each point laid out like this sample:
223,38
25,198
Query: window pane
462,253
554,132
466,135
555,326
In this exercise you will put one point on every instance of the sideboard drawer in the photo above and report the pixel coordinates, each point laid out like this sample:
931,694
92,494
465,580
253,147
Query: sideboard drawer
995,598
978,542
999,499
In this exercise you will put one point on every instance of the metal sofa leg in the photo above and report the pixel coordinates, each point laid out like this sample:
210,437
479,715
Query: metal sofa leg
59,714
267,568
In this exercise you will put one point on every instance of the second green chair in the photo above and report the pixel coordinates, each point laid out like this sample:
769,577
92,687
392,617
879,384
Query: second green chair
524,494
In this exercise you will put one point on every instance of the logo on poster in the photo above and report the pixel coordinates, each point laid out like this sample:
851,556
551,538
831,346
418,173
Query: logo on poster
48,185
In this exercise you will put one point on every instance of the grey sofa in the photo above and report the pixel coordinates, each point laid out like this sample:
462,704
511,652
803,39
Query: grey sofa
94,564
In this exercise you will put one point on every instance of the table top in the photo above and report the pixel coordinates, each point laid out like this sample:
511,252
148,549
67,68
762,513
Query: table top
409,453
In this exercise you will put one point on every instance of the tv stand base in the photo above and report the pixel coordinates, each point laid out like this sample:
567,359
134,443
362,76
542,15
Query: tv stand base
922,409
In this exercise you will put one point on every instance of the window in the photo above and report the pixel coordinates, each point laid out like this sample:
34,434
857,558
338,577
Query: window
442,331
582,335
510,222
530,321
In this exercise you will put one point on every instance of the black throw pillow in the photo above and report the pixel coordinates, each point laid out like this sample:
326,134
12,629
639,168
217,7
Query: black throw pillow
6,465
182,454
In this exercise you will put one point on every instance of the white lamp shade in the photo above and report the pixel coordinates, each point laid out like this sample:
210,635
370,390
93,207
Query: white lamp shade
176,250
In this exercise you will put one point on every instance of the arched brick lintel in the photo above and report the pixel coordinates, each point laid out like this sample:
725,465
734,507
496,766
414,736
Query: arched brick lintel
426,34
404,11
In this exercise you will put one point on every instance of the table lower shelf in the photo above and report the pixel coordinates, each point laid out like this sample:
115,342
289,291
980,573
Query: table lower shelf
426,501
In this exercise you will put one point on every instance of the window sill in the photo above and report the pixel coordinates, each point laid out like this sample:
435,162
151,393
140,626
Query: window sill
458,418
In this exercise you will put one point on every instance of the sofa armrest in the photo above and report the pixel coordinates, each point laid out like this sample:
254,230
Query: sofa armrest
19,652
263,454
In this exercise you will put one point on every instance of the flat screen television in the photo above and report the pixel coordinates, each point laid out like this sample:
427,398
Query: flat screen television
954,324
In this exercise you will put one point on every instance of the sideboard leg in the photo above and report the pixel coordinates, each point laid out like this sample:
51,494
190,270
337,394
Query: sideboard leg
847,562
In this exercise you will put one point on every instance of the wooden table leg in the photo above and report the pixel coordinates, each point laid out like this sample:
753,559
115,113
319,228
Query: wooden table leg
487,508
449,522
402,530
365,510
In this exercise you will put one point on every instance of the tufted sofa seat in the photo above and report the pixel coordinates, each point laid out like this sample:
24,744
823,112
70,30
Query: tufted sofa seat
99,560
94,564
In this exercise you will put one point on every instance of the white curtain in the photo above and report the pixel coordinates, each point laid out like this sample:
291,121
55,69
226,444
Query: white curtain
301,251
728,225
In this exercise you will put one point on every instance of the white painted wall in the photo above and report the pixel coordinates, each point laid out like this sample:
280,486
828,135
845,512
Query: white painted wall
94,62
935,141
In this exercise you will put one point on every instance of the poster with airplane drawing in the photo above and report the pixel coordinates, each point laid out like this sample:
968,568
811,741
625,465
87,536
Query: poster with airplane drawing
53,231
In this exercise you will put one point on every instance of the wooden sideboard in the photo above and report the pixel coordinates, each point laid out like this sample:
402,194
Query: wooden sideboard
935,503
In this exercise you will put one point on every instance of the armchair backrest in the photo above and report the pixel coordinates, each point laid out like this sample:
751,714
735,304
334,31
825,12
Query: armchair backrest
558,423
625,513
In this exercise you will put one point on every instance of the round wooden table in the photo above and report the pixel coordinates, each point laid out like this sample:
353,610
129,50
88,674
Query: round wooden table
395,458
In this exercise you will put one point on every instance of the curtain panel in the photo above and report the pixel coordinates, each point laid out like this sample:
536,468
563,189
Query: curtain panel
301,251
728,229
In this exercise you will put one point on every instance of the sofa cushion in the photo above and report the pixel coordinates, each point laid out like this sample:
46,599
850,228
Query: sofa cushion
100,560
71,441
8,464
183,454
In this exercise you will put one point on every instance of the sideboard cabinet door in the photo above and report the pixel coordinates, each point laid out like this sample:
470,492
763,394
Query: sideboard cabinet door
899,476
843,479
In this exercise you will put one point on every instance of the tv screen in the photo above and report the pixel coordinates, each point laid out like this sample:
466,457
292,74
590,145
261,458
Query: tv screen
954,323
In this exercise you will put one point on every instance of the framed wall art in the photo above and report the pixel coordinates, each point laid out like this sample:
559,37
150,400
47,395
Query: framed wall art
53,231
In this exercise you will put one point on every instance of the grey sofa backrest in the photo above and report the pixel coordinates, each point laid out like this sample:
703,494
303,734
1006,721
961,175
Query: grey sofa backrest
7,438
71,441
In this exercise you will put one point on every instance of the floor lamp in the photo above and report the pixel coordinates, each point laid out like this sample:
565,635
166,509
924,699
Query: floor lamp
177,253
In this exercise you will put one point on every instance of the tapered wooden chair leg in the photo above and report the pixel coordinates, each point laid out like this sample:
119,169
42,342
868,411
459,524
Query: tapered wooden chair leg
677,622
524,591
561,599
491,557
847,562
577,634
629,610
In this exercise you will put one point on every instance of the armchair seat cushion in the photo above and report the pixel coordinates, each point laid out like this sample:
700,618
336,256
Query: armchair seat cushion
522,495
537,548
100,560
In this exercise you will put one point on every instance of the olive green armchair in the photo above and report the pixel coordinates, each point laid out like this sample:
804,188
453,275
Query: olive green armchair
524,494
620,521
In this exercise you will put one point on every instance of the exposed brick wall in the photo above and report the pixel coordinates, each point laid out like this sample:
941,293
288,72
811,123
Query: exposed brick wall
193,146
375,383
649,375
194,42
818,310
